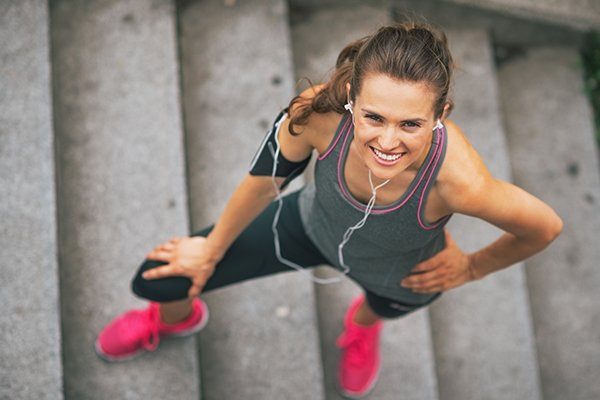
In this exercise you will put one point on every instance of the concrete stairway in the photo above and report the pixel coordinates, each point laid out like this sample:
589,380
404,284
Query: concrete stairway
121,186
482,332
30,353
553,155
98,97
262,340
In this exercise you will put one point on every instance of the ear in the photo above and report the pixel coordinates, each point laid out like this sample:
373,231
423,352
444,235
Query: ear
348,90
445,112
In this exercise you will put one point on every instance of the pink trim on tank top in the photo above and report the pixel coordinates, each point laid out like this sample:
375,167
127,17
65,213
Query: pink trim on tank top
384,210
437,157
340,133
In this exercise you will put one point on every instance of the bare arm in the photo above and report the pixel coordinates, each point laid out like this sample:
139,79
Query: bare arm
197,257
255,193
250,198
530,225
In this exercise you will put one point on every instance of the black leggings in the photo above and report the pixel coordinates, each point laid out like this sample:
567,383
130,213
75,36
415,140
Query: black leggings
252,255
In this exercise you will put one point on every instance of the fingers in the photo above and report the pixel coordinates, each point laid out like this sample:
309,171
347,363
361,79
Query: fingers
194,291
164,252
197,286
430,286
418,279
426,282
160,255
163,272
169,244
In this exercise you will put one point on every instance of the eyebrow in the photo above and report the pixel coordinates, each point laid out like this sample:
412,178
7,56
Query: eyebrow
405,120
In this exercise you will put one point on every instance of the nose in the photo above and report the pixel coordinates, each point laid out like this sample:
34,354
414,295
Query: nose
390,139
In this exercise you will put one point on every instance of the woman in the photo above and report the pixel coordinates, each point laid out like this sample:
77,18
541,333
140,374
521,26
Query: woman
391,171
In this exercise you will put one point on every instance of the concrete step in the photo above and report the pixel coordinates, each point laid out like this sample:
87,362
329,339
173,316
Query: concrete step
407,370
262,340
482,331
121,186
506,29
581,14
30,353
554,157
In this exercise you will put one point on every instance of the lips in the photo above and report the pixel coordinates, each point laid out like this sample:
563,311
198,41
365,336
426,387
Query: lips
386,153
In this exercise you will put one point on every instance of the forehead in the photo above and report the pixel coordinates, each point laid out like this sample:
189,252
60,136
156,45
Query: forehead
394,98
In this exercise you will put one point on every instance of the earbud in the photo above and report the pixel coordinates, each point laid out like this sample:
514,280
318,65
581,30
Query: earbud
348,106
438,125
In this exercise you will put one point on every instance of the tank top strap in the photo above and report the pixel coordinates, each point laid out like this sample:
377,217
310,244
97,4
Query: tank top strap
340,132
440,142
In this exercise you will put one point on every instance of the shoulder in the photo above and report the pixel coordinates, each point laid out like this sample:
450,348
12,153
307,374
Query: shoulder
469,188
463,172
298,147
320,126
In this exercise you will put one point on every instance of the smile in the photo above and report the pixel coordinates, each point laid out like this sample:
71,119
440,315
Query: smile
386,159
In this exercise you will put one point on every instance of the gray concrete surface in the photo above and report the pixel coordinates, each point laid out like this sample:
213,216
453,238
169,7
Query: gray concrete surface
262,341
554,157
582,14
407,369
112,76
30,353
482,331
121,186
507,30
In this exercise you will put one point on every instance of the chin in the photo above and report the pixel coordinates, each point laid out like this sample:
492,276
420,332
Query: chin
381,171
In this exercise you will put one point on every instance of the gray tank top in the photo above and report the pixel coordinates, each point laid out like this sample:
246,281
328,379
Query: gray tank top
394,238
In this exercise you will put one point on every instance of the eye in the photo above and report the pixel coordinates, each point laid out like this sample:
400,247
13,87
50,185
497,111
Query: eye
413,124
374,117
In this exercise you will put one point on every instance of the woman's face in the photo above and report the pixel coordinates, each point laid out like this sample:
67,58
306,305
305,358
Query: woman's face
394,117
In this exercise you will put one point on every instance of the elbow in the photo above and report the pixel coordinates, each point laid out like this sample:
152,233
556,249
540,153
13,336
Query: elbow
555,231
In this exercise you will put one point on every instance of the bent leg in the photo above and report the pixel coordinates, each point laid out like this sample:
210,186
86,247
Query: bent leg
250,256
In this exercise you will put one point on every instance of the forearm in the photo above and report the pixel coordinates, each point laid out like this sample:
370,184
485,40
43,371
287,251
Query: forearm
248,200
506,251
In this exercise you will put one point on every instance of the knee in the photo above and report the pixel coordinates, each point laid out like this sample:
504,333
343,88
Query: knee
160,290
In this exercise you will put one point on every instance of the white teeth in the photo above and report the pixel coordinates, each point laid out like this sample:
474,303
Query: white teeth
385,156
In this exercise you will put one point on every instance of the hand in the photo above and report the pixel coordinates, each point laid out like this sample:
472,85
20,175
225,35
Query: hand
446,270
188,256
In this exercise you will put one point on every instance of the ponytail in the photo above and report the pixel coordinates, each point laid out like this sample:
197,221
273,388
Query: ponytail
332,96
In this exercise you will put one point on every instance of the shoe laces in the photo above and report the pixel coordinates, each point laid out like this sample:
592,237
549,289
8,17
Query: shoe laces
357,345
150,335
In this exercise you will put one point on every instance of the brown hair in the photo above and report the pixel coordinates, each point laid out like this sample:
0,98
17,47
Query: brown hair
411,51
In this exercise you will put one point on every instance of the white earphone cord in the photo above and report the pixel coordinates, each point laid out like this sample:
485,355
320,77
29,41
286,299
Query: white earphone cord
347,234
349,231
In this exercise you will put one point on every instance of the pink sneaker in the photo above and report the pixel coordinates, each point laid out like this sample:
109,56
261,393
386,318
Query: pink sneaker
138,330
360,361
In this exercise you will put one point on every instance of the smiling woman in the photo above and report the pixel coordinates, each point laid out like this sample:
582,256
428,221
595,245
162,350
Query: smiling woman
380,123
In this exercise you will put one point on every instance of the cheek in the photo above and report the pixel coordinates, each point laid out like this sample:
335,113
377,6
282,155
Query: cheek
365,137
414,145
